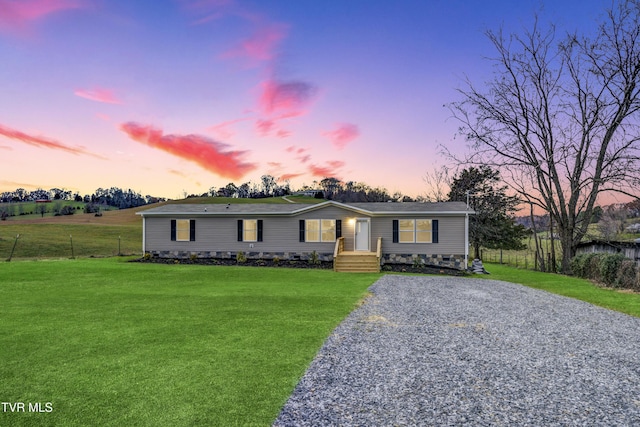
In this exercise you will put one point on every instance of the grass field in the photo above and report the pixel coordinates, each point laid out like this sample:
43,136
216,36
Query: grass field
112,343
115,232
573,287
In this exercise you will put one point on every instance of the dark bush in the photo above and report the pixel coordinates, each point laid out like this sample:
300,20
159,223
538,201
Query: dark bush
609,265
610,269
67,210
592,267
627,275
91,208
579,265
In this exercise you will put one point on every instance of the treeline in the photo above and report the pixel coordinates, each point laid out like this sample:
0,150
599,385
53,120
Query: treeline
328,188
268,186
114,196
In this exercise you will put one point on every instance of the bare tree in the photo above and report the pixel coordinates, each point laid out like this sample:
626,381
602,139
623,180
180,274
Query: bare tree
439,183
560,120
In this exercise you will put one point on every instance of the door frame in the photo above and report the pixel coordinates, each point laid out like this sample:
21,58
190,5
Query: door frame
355,234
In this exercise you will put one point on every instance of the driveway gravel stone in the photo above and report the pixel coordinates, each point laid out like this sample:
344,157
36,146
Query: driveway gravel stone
449,351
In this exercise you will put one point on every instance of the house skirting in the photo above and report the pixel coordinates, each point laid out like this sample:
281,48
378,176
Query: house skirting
283,256
449,261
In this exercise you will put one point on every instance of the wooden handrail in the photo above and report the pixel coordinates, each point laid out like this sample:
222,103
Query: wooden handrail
339,247
379,252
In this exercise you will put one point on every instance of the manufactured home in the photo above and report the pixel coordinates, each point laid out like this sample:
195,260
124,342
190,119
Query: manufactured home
355,236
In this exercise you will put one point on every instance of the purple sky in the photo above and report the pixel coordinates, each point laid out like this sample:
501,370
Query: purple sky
173,96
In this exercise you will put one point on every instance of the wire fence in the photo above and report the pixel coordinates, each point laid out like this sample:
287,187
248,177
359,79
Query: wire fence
520,259
33,246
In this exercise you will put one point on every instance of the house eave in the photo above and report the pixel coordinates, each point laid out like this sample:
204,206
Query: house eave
202,213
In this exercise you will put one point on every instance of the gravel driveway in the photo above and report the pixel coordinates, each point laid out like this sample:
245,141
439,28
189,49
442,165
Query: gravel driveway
444,351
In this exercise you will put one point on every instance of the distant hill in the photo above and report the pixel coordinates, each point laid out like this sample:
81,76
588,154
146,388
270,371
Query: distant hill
128,216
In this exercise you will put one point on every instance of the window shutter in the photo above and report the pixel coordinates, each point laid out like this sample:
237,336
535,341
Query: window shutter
173,230
396,233
434,231
192,230
259,230
338,228
240,230
302,230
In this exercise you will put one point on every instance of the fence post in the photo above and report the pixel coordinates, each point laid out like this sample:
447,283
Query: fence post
14,248
119,246
71,240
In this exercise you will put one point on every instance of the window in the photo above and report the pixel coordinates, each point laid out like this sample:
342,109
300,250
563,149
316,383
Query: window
415,231
406,230
423,231
320,230
249,230
183,230
312,230
328,230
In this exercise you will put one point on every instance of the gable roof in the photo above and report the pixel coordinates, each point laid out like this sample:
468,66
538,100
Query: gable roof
268,209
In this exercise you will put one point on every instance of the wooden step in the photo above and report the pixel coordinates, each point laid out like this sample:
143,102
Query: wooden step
361,262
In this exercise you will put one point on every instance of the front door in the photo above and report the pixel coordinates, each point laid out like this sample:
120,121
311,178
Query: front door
362,235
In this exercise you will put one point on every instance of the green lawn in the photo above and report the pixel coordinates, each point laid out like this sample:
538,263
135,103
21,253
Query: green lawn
108,342
573,287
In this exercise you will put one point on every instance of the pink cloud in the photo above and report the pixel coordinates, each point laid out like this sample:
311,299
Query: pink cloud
301,153
343,134
222,131
330,170
209,154
98,94
282,133
289,176
261,46
294,149
16,15
264,127
285,99
42,142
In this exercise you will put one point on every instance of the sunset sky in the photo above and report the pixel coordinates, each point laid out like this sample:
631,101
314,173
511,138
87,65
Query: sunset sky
173,96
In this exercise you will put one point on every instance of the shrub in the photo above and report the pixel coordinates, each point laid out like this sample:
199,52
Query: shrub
579,265
592,267
417,262
313,258
609,265
241,258
276,260
67,210
627,274
91,208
